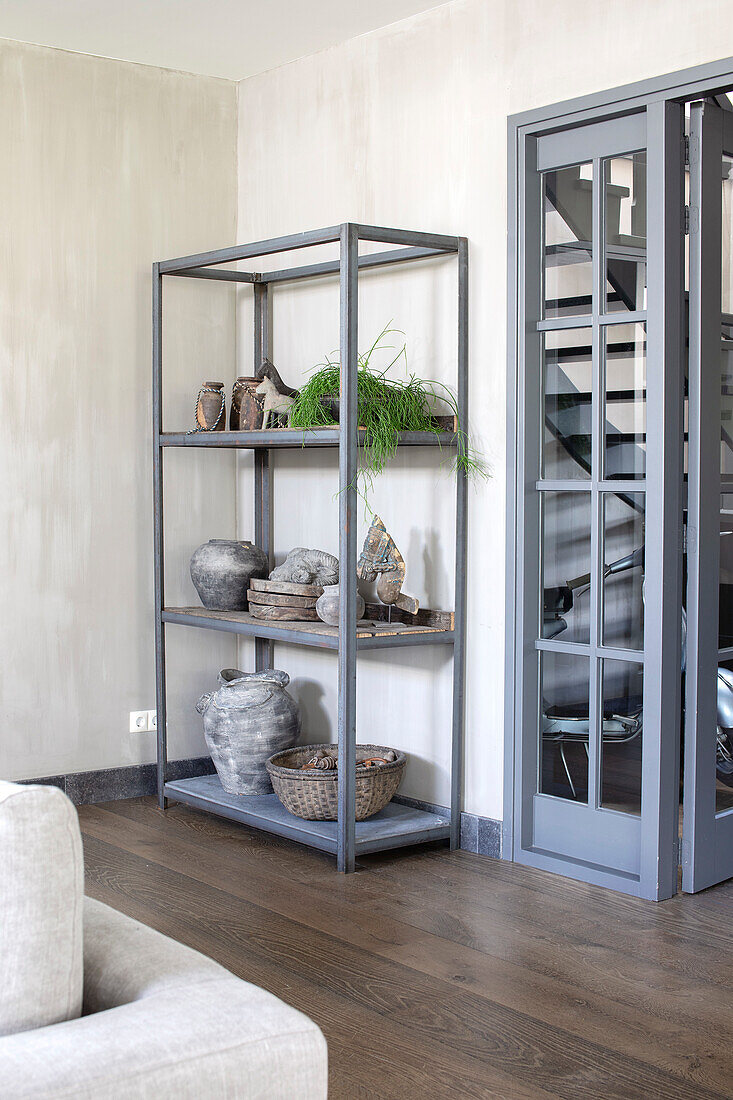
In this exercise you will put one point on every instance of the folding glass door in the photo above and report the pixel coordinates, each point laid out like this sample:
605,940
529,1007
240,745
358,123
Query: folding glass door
598,596
707,847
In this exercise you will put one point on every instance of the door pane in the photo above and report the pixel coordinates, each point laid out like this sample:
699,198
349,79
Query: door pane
725,576
621,736
724,744
566,521
568,222
567,386
564,693
726,403
624,200
724,747
727,236
623,580
624,355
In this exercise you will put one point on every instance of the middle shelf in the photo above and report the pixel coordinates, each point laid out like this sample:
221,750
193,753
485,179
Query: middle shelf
369,634
294,438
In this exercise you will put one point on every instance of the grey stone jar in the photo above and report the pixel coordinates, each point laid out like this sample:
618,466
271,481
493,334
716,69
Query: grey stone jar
221,570
248,719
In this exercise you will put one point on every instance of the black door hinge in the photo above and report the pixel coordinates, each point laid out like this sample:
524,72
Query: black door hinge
692,219
687,151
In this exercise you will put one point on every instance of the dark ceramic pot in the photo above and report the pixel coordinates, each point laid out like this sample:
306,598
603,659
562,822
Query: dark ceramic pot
221,570
246,406
210,410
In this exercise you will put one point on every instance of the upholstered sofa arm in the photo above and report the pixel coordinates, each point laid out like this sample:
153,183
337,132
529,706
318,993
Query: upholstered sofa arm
164,1021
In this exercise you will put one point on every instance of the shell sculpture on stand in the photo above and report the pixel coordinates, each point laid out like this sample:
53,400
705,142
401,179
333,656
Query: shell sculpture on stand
382,562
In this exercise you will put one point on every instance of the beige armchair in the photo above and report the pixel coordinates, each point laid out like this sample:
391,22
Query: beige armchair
95,1005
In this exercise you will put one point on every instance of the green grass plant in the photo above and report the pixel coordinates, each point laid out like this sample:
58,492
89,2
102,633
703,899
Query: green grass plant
385,407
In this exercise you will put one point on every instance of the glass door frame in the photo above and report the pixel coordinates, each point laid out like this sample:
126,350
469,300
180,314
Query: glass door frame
658,129
707,838
654,834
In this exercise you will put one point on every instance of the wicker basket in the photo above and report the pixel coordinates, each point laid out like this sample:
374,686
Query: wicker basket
313,795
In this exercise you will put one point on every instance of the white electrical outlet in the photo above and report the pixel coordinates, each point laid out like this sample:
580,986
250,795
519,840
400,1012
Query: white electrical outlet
138,721
152,719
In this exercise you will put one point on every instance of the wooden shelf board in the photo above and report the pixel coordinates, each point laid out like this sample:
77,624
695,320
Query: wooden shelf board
369,634
295,437
393,827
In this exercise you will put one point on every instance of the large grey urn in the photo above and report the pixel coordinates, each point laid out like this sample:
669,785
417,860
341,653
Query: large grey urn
221,570
248,719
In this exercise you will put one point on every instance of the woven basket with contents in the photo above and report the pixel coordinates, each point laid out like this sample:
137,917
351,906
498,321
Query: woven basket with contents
312,792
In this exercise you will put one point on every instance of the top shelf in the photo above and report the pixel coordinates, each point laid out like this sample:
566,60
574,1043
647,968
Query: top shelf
411,245
295,437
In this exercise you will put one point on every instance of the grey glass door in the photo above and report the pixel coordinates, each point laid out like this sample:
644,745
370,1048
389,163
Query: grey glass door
707,840
599,510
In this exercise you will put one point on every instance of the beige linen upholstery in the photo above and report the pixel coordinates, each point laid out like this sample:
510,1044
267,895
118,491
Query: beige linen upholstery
166,1023
41,891
160,1021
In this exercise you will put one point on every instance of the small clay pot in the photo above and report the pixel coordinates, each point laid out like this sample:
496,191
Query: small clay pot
245,413
210,408
221,570
327,605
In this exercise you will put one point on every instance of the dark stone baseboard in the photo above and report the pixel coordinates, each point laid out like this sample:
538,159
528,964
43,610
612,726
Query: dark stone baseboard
481,835
478,834
111,784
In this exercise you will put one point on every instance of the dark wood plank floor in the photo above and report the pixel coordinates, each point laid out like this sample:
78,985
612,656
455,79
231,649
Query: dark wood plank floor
440,975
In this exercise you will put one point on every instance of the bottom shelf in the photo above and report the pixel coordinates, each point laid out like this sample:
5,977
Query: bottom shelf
393,827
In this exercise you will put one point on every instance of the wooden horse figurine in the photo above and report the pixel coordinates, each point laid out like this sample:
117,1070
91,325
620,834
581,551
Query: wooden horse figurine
278,403
381,559
269,370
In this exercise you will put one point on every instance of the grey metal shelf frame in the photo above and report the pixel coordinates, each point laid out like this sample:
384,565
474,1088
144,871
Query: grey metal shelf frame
398,825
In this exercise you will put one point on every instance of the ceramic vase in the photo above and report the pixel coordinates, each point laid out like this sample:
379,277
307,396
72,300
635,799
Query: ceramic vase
221,570
249,718
327,605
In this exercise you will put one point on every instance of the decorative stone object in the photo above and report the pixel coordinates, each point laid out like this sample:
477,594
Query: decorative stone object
274,403
210,408
304,566
321,760
248,719
245,411
221,570
327,605
381,561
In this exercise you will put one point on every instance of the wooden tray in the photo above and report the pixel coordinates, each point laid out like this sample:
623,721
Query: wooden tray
274,599
285,588
285,614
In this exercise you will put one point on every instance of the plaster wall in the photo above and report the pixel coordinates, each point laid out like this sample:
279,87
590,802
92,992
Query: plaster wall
107,167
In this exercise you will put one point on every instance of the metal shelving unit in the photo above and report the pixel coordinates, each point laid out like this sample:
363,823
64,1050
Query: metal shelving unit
397,825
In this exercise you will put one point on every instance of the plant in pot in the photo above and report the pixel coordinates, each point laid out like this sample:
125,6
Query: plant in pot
386,406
